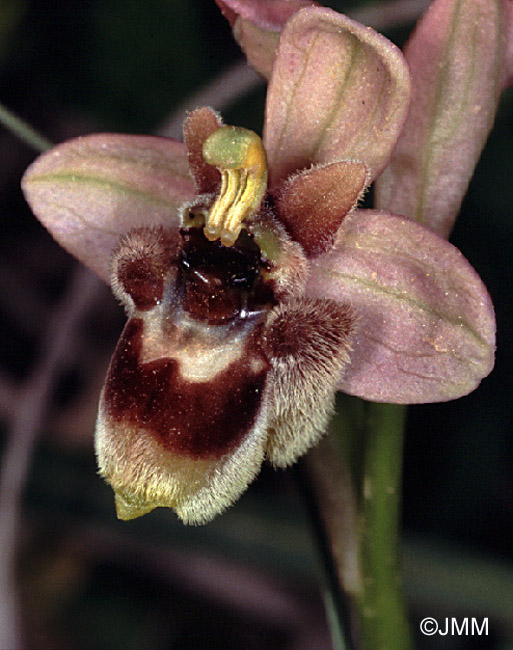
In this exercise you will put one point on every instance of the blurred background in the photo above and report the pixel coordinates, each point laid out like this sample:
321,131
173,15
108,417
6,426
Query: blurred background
78,577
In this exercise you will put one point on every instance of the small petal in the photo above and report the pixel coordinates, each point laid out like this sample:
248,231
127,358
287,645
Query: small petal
91,190
426,329
267,14
256,25
313,203
339,91
259,45
307,342
198,125
455,57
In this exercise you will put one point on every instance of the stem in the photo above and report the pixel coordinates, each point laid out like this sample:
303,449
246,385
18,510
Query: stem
336,600
23,130
382,615
356,477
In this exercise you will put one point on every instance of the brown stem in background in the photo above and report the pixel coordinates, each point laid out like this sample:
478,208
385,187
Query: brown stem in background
30,414
329,495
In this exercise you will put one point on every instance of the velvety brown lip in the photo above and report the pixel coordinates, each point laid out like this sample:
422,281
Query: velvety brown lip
192,419
219,283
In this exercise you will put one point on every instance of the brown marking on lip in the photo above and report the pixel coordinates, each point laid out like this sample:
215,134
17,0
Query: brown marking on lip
206,298
218,282
192,419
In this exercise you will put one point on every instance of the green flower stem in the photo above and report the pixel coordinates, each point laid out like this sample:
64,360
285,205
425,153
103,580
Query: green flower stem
356,478
23,130
380,604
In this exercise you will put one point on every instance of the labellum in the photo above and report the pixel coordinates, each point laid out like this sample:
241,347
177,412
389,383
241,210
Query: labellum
223,362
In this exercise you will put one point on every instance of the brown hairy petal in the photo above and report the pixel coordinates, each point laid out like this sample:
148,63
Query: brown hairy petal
313,203
426,327
91,190
455,57
307,342
142,260
198,125
338,91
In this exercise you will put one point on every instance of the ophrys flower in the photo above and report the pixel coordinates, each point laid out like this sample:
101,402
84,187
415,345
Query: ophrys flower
258,290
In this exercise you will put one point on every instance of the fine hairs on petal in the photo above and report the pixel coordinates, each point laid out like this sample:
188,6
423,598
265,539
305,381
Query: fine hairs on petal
139,266
144,476
164,439
230,477
313,202
308,343
198,125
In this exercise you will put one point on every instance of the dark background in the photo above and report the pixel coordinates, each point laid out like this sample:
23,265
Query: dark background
249,579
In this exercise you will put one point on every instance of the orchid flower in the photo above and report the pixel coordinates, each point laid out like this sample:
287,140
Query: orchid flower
254,287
